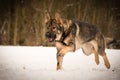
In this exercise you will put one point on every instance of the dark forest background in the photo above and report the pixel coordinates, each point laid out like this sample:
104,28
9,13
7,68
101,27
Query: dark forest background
22,21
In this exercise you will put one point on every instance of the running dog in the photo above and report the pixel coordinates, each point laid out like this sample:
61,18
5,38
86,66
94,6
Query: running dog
70,35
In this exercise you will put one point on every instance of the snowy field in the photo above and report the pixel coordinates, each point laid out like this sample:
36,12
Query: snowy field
39,63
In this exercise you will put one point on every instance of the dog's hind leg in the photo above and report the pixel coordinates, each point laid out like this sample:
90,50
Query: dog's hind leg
96,53
89,48
101,49
106,62
96,57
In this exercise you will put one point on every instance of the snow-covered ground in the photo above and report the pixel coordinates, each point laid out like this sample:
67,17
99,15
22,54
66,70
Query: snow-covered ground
39,63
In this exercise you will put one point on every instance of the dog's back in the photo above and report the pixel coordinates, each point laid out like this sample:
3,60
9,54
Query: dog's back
86,32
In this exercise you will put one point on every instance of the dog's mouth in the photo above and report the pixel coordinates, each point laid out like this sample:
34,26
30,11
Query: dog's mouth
50,39
50,36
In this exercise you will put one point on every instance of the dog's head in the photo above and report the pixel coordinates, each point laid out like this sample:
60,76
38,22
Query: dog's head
55,27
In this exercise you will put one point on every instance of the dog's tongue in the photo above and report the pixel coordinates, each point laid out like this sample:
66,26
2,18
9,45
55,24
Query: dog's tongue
50,39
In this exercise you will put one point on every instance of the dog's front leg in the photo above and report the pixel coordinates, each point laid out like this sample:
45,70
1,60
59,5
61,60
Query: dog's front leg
61,53
59,60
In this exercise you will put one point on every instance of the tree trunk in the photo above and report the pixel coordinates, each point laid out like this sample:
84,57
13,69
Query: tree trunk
15,22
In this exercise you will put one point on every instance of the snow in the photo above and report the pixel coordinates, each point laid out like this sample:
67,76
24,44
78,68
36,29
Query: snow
39,63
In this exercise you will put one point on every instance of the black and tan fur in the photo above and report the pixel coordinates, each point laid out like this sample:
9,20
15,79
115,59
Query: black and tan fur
70,35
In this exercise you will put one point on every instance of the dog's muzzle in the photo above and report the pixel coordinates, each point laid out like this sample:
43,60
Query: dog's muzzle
50,36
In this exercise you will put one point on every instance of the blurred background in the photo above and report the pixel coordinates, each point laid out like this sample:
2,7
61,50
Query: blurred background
22,21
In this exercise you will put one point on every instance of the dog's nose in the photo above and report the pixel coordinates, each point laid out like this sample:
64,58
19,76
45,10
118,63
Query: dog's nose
47,34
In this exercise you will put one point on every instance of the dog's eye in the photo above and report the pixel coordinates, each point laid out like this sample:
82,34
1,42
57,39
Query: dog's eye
54,27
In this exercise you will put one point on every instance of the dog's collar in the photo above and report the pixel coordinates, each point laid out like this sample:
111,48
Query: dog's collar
61,42
58,41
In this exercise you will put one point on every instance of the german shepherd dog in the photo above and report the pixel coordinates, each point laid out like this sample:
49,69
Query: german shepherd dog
70,35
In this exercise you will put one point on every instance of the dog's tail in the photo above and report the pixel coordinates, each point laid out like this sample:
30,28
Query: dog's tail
101,44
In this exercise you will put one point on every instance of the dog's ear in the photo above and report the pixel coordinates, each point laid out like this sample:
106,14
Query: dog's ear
58,18
47,17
